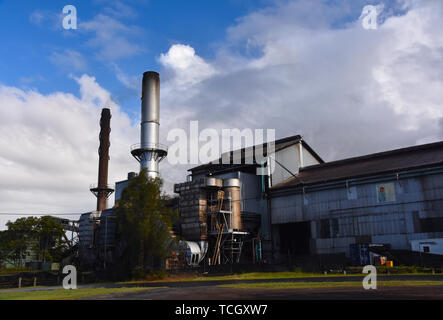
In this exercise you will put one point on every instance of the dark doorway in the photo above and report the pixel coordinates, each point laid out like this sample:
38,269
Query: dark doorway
295,238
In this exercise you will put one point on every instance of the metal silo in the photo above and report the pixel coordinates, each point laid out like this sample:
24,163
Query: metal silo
232,189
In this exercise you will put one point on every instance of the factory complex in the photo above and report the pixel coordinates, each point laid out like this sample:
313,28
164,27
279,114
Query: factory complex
291,209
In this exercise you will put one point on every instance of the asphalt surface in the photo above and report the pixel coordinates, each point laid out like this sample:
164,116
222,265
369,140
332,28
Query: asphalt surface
215,293
209,290
299,279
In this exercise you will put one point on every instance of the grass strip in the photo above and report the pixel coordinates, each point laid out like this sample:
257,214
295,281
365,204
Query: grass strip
313,285
261,276
62,294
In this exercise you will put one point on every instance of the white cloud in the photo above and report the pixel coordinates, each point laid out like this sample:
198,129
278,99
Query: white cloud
130,82
48,148
187,67
111,37
48,19
118,9
69,60
308,67
302,67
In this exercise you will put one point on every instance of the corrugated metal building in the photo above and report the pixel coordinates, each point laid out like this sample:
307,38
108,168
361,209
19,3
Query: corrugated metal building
391,198
290,153
309,207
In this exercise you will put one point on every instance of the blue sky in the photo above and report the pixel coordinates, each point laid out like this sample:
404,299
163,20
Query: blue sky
34,43
32,33
297,66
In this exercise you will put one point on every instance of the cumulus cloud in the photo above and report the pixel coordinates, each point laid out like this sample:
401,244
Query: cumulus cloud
187,68
310,68
48,148
301,67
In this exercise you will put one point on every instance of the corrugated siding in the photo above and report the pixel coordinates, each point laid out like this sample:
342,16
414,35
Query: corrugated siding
390,222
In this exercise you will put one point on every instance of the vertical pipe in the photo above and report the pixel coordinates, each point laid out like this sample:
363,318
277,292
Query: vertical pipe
103,151
150,122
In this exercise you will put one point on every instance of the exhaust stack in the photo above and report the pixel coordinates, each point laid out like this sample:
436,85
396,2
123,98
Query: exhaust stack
150,152
102,190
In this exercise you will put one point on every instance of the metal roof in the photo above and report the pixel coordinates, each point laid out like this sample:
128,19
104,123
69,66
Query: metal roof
279,145
384,162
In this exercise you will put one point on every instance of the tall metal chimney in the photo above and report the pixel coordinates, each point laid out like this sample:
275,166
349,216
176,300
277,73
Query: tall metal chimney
149,152
102,191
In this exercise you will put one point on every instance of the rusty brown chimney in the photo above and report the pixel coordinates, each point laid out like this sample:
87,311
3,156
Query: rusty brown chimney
102,190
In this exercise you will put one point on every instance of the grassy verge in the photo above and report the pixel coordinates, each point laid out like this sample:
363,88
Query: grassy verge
313,285
244,276
260,276
61,294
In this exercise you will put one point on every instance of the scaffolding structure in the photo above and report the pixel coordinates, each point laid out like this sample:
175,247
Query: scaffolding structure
227,242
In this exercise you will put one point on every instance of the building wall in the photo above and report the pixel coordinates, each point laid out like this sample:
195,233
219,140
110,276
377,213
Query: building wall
119,187
308,158
409,209
290,158
434,246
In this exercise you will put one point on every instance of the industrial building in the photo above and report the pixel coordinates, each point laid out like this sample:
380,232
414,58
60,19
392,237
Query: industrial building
393,198
311,209
303,210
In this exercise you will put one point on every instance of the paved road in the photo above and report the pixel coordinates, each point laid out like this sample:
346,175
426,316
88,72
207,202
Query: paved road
217,293
208,290
307,279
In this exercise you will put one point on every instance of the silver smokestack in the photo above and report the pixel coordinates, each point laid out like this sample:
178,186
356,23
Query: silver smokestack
149,152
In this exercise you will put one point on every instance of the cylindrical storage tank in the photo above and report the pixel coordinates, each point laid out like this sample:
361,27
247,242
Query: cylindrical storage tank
232,190
108,228
212,182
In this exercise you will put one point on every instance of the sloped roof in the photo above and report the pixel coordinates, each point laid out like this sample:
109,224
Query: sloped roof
279,145
384,162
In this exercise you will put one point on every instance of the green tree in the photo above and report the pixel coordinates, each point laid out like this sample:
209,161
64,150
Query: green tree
144,224
51,239
44,236
19,239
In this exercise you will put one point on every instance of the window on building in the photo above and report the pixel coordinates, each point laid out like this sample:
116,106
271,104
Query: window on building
426,249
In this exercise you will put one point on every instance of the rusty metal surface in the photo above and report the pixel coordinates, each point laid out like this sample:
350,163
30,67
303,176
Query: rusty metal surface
103,151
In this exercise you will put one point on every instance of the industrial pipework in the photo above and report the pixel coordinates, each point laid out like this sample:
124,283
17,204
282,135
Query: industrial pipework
150,152
102,190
